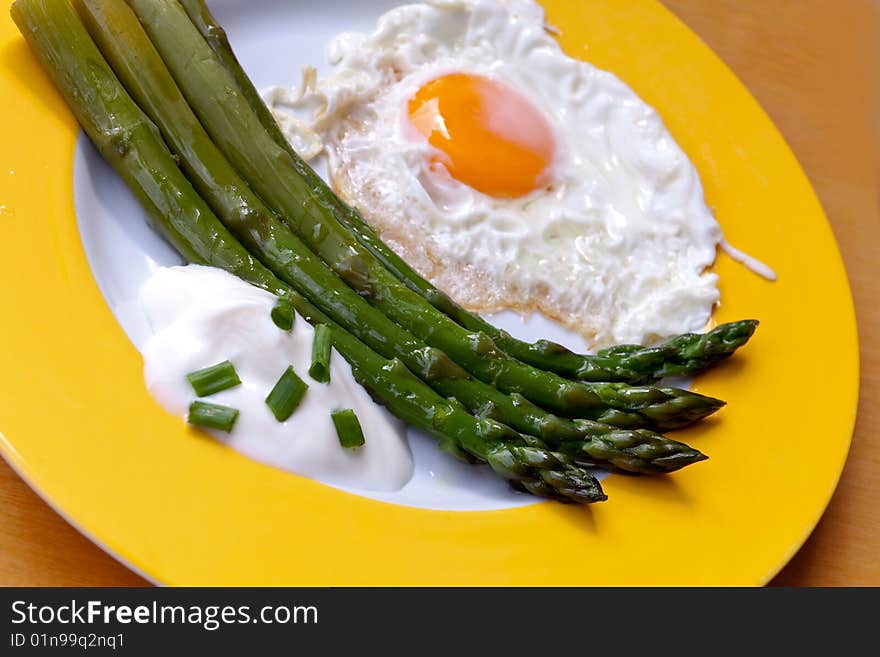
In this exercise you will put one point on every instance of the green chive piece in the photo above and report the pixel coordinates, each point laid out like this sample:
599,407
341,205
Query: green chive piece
321,344
286,395
213,379
212,416
348,429
283,315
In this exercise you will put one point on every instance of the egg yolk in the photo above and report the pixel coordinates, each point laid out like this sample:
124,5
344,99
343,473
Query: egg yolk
489,136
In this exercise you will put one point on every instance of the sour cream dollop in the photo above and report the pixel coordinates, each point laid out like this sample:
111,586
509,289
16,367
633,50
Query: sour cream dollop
201,316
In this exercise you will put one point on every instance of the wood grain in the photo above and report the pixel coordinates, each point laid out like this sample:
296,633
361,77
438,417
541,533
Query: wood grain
815,67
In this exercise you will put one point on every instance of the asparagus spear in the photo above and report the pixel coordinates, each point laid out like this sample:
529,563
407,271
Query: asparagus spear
680,356
129,51
683,355
128,140
215,35
279,180
639,451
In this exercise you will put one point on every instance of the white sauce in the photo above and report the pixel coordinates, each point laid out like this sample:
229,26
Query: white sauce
202,316
752,264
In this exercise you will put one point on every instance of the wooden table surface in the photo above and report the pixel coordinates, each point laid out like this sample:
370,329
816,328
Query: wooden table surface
815,67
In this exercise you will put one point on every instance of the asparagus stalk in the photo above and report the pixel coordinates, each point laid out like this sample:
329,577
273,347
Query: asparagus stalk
105,111
141,70
682,356
228,119
215,35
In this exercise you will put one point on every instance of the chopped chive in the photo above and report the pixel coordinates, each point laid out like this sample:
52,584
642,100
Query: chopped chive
320,368
212,416
286,395
214,379
283,315
348,429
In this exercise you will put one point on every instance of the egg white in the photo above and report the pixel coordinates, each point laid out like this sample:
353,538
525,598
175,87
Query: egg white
616,248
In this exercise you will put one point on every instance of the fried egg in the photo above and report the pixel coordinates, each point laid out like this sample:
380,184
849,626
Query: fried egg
511,175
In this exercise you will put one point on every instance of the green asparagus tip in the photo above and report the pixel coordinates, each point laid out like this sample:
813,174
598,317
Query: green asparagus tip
742,329
678,461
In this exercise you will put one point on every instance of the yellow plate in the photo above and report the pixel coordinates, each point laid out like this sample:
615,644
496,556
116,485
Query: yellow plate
79,425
